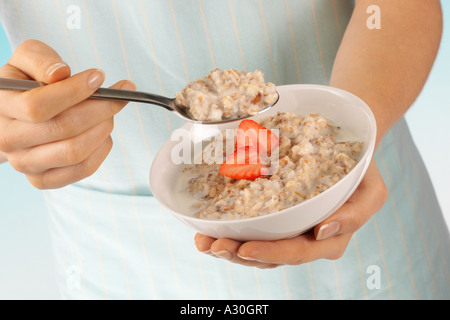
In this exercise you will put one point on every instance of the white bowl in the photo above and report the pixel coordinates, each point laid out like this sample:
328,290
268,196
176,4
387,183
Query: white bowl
342,108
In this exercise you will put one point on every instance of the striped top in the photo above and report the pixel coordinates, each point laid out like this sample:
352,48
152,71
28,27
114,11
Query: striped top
111,238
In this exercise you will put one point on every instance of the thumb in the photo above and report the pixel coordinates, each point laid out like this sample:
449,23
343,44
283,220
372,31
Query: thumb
367,199
38,61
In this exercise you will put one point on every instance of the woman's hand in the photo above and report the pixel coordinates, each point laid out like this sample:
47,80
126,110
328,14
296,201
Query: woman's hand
54,134
328,240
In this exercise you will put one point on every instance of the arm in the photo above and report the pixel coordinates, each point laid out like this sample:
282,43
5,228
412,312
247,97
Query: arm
385,67
388,67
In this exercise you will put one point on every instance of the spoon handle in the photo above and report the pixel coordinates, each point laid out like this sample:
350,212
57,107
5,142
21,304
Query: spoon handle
101,93
135,96
16,84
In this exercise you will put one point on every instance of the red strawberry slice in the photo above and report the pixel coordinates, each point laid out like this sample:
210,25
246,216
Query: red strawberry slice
252,134
244,163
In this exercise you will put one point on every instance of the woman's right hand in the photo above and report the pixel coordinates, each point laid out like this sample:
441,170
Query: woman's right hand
54,134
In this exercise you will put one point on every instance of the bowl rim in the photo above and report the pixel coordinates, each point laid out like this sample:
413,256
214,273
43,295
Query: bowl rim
368,153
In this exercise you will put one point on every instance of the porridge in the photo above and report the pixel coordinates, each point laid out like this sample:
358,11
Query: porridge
309,155
226,94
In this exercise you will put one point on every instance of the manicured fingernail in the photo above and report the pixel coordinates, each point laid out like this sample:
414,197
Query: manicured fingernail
328,230
250,258
222,254
55,67
129,85
96,79
246,258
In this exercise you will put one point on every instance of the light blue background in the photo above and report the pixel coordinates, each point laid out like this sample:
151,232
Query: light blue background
26,262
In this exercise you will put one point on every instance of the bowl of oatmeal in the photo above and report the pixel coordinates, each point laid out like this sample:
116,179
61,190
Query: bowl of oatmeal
321,141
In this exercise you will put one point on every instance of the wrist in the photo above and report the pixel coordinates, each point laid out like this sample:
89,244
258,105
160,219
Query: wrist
378,103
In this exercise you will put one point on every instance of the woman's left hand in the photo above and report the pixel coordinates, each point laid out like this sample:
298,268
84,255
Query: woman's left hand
328,239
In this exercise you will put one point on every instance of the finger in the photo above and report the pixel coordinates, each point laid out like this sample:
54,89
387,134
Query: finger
37,61
61,177
225,248
61,153
203,243
301,249
18,135
43,103
368,199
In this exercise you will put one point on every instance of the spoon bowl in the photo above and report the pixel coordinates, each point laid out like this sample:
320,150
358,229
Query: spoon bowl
126,95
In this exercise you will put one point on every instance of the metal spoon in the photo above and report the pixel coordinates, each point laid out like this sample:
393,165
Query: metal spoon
125,95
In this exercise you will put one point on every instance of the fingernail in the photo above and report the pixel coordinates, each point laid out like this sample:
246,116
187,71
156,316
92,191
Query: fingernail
96,79
55,67
250,258
328,230
222,254
247,258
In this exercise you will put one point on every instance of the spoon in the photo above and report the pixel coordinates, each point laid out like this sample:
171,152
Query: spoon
125,95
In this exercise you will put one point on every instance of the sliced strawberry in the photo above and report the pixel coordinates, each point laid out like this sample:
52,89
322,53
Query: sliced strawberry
252,134
244,163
